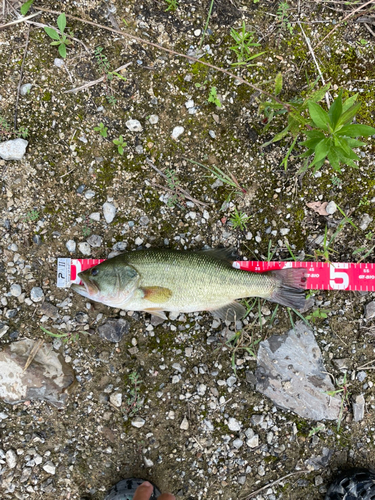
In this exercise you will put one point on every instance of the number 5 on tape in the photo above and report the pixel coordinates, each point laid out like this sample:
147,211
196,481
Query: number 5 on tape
338,279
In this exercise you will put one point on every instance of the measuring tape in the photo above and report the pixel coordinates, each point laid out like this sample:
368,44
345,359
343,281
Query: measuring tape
320,275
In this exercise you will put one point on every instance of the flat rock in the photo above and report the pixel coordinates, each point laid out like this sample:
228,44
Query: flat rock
45,379
291,373
359,408
109,212
370,310
113,329
13,150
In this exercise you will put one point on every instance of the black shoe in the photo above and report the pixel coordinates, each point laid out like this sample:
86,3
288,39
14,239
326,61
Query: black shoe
353,484
125,489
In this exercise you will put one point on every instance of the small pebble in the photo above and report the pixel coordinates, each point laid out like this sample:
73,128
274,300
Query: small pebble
234,425
184,424
95,216
109,212
138,422
177,131
89,194
36,294
11,459
95,241
84,248
80,189
331,208
13,149
59,62
116,399
15,290
71,246
153,119
134,125
49,468
25,88
370,310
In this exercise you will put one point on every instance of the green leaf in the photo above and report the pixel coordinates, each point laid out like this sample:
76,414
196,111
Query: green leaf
353,143
277,137
311,143
26,6
62,50
52,33
278,83
321,150
314,134
319,116
335,110
317,95
61,22
348,115
349,102
334,160
56,43
344,151
306,154
355,130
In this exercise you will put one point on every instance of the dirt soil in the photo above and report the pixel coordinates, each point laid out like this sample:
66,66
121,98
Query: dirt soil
157,404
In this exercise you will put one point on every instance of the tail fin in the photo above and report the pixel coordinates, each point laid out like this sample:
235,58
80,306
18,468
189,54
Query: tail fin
290,293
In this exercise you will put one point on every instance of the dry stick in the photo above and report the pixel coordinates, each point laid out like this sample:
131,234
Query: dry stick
269,485
170,51
33,353
20,80
20,20
345,18
369,29
315,61
94,82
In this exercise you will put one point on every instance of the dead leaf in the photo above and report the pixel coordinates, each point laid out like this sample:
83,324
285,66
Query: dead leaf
318,206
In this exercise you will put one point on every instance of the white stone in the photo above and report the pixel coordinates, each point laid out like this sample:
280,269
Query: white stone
89,194
189,104
134,125
153,119
59,62
237,443
138,422
284,231
177,131
109,212
148,462
138,241
253,442
25,88
11,459
84,248
49,468
71,246
36,294
201,389
15,290
184,424
13,150
116,399
331,208
234,425
95,216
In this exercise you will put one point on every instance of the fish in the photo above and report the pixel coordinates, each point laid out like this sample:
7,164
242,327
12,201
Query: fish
162,280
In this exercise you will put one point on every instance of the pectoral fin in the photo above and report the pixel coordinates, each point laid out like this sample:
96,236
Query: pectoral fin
230,312
157,294
156,312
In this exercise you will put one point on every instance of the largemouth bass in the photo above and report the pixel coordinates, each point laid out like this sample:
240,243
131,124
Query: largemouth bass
155,281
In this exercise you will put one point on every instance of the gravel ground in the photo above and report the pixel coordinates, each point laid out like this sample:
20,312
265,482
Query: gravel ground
175,401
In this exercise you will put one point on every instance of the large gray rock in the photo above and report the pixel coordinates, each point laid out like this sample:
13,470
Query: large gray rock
46,378
290,371
113,329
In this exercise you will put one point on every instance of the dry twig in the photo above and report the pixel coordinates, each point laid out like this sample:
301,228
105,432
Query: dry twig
20,80
33,353
99,80
270,485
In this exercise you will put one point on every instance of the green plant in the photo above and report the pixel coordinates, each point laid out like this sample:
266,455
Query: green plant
172,183
282,17
343,390
23,132
317,314
101,129
5,128
26,7
364,202
172,5
330,135
111,100
236,343
134,403
244,45
61,39
316,429
66,337
120,143
239,220
32,215
213,97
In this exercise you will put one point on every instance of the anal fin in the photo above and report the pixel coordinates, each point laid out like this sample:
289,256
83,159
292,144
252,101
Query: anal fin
230,312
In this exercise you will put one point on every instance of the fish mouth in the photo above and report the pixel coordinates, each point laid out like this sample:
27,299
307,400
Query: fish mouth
87,289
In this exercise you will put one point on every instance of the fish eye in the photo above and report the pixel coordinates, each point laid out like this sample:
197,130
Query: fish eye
94,272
